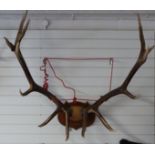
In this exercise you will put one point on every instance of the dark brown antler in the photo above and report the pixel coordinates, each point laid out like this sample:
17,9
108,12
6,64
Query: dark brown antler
144,52
33,86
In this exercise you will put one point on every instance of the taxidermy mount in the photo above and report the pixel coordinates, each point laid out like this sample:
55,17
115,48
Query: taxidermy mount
77,114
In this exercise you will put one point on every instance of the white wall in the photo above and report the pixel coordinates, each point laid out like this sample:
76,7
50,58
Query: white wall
132,119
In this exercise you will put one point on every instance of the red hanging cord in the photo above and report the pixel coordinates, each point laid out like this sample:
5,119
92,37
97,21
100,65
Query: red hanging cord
47,60
61,80
111,73
43,68
45,86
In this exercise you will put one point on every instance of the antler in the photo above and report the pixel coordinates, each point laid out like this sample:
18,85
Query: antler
33,86
123,89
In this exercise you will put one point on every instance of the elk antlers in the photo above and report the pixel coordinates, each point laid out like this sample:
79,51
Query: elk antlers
67,109
144,52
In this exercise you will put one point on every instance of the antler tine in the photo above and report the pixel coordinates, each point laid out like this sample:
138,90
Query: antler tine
144,52
67,123
25,28
49,118
26,92
22,29
22,21
11,46
84,123
102,119
141,34
151,48
127,93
